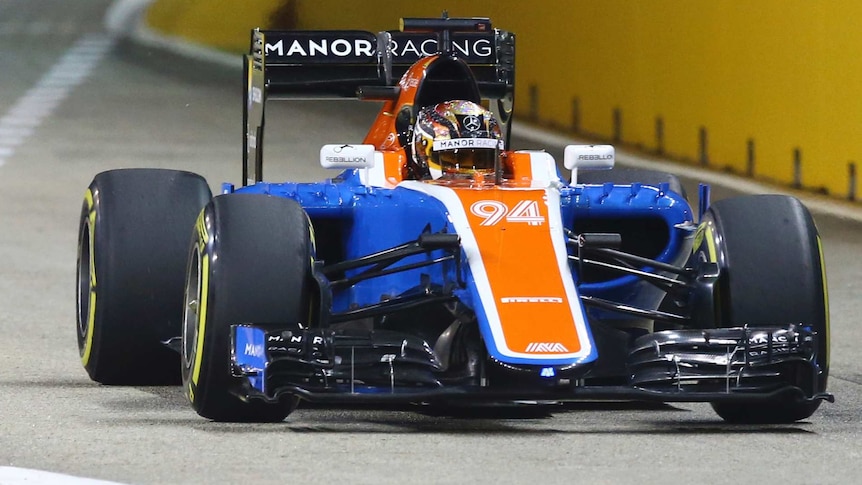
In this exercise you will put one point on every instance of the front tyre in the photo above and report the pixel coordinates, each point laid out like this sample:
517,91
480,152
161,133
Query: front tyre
132,242
771,262
250,262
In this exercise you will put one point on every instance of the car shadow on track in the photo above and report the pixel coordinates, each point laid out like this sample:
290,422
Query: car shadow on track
166,405
49,384
581,418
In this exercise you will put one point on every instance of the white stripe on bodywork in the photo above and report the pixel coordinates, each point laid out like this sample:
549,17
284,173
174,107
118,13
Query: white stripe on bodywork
458,217
543,169
375,175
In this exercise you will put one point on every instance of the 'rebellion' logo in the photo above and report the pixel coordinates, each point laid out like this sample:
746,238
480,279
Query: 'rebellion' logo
595,157
546,347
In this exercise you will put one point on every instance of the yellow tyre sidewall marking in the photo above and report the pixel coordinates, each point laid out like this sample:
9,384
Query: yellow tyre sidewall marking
91,312
203,288
202,318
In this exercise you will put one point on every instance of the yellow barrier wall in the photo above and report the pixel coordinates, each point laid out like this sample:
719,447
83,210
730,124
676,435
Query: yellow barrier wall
223,24
776,79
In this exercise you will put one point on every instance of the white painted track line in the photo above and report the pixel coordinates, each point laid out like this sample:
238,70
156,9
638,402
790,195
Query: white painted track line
40,101
25,476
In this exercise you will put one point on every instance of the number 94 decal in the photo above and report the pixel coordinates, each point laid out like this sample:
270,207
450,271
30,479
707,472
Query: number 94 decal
494,211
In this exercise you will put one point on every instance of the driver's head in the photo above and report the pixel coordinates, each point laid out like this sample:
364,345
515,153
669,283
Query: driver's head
456,137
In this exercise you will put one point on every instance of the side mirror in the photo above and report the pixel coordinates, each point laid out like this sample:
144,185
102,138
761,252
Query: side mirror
347,156
589,157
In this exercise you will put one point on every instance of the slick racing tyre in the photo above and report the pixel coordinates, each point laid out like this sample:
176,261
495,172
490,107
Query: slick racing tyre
132,243
769,253
249,262
627,176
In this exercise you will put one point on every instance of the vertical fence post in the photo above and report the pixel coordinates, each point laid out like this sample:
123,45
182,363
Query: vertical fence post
797,168
534,102
749,166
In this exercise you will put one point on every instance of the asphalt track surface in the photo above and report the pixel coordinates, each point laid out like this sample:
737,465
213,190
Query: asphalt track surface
138,107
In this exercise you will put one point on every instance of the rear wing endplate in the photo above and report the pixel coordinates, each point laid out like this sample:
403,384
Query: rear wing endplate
336,64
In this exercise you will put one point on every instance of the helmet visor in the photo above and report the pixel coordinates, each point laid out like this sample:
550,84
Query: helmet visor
465,154
465,159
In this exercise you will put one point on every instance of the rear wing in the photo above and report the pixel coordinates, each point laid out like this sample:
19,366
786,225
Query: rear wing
340,64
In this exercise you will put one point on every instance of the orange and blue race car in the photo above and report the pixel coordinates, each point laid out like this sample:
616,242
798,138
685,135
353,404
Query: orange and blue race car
438,266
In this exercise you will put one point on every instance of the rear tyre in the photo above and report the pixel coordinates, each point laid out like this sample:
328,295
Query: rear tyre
769,252
132,242
250,262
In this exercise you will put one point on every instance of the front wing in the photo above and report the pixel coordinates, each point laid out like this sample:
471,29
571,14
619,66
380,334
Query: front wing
734,364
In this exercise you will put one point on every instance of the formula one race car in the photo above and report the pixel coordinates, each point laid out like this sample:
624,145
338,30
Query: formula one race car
438,267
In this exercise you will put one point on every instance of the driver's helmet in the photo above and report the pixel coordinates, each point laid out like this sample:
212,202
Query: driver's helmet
456,138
